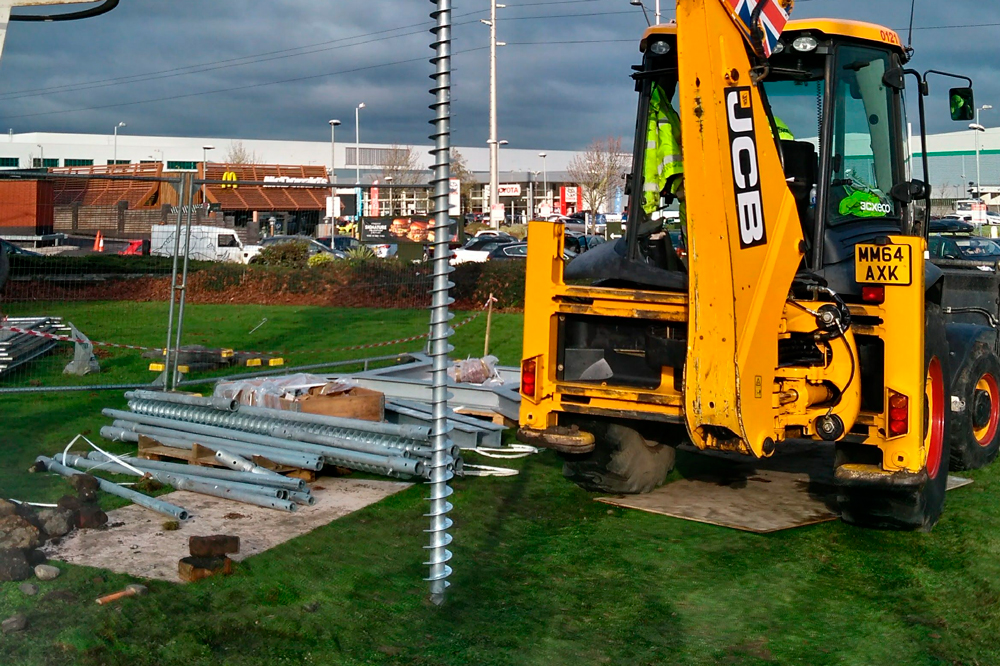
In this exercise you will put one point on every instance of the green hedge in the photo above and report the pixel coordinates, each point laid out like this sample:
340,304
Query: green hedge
96,264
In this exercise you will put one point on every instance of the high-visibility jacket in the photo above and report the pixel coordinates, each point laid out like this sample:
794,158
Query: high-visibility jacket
664,154
784,132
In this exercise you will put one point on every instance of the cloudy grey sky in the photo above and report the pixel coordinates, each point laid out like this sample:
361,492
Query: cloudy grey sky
280,69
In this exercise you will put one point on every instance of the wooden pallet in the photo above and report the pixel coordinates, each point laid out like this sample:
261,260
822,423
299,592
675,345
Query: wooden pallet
498,419
203,456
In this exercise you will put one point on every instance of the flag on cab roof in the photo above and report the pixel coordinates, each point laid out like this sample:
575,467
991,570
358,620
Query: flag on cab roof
773,18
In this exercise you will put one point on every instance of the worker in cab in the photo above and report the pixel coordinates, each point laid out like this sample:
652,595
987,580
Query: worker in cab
664,163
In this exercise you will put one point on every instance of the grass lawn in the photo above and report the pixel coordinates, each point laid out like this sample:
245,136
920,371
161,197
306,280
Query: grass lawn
543,575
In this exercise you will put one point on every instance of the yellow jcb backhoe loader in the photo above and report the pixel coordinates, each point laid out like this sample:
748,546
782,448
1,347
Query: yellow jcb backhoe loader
806,308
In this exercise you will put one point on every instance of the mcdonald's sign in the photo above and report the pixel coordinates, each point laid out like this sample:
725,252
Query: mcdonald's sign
230,179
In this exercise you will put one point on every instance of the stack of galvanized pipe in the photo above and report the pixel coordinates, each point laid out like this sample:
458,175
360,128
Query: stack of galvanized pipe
248,483
19,348
292,439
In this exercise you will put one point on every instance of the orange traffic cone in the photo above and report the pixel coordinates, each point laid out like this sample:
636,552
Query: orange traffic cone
99,242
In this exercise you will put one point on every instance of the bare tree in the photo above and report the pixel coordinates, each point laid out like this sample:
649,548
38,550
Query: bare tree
240,154
460,170
400,166
598,170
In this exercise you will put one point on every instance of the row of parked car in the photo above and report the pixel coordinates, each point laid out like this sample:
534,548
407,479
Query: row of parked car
499,246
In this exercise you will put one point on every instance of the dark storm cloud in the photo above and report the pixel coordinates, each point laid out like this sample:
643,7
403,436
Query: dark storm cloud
563,80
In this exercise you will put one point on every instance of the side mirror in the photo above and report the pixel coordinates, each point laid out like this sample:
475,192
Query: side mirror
963,104
908,192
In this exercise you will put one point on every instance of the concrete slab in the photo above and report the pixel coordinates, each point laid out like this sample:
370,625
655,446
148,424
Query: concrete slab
793,489
135,542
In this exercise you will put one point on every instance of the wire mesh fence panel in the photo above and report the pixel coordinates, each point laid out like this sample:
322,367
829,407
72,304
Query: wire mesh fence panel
76,244
307,288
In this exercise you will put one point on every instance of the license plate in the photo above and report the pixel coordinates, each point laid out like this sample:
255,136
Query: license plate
883,264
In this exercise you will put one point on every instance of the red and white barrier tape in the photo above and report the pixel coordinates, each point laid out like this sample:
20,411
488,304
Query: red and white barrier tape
112,345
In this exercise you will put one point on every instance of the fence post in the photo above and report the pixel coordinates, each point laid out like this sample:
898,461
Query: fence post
167,355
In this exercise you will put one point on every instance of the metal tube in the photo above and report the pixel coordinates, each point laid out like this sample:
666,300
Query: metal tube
440,329
222,404
235,462
373,427
172,380
277,481
215,490
272,423
166,508
173,281
304,498
129,431
115,468
392,464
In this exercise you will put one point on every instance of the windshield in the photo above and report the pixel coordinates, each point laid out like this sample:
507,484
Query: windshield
865,162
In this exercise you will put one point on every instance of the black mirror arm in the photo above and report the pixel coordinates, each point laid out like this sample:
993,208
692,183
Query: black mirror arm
923,228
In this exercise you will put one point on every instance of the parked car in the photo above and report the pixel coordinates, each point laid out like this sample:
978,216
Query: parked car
491,233
578,242
342,243
10,249
478,249
963,247
315,247
519,250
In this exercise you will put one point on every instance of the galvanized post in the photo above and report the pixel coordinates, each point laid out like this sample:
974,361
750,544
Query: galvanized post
172,382
441,461
181,189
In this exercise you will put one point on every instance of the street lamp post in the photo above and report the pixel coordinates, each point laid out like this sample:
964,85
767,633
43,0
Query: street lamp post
388,180
978,127
204,166
117,127
495,176
545,182
357,143
493,143
333,150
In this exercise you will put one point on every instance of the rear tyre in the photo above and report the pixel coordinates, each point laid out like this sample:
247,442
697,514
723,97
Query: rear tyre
622,462
975,431
914,508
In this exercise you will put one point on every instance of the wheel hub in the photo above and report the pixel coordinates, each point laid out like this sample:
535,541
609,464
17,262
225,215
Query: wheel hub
981,409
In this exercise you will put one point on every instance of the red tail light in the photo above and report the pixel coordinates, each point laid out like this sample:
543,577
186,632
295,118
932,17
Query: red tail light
899,414
874,295
528,370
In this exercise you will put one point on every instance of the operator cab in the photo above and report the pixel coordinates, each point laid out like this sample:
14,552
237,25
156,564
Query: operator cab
835,95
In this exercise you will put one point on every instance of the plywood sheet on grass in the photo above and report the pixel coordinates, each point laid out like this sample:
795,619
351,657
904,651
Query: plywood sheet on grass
792,489
135,542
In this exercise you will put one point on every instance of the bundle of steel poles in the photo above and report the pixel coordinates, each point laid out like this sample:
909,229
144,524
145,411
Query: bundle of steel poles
286,438
20,348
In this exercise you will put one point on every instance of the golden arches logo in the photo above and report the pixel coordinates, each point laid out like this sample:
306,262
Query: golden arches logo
230,180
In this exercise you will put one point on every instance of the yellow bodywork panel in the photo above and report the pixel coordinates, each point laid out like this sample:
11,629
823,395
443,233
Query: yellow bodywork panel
744,236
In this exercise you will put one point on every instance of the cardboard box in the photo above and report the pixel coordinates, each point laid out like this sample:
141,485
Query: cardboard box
358,403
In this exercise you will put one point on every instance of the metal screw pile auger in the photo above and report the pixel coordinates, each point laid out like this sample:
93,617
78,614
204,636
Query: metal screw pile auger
182,421
441,461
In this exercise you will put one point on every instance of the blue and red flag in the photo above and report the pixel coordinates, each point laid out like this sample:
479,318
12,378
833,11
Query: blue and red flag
773,18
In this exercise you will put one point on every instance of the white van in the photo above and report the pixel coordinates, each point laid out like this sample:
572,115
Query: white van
207,244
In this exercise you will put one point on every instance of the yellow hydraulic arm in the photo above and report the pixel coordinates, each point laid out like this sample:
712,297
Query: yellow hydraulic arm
744,237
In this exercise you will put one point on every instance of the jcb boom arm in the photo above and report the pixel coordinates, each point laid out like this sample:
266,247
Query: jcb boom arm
744,239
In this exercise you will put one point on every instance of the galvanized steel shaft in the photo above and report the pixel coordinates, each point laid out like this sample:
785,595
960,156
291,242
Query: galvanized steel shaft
440,328
276,481
166,508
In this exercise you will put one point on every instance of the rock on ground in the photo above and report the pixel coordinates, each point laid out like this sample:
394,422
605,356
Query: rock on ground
16,532
14,566
91,516
57,522
7,508
12,624
28,589
46,572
